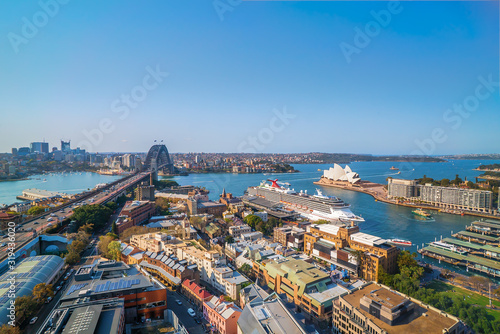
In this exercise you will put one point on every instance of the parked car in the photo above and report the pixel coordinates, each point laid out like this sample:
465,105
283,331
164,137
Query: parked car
58,288
35,223
33,320
198,321
178,302
3,244
191,312
48,300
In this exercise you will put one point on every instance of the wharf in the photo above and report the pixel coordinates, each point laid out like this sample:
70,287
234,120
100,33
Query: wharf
490,227
268,206
473,262
484,250
481,238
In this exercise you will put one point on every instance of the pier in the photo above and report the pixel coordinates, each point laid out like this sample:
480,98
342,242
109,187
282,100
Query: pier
476,237
472,262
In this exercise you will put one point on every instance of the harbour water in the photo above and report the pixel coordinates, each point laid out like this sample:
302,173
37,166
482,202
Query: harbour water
70,183
381,219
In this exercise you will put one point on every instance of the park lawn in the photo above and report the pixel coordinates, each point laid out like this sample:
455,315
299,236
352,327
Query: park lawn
470,296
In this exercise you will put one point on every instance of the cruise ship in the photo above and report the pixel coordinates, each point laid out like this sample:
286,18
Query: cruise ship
313,207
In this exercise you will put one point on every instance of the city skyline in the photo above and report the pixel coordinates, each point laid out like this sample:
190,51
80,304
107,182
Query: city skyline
305,77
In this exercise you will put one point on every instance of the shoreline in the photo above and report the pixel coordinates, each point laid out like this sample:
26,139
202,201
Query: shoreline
379,198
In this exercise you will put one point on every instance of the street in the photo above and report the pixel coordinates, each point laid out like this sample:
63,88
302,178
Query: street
181,312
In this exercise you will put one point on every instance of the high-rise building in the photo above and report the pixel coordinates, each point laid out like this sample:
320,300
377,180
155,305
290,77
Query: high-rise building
128,160
23,151
14,151
402,188
39,147
65,146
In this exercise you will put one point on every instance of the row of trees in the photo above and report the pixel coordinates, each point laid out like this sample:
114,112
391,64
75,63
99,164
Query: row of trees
80,241
407,281
28,305
95,215
259,225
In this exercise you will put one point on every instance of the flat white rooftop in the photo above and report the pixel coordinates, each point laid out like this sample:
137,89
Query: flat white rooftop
367,239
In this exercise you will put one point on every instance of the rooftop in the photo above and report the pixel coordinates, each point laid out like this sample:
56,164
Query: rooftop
414,322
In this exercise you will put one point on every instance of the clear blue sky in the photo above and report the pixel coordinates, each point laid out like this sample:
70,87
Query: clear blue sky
225,77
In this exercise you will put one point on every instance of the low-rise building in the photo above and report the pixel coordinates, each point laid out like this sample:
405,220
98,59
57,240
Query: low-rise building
252,236
168,269
138,211
290,236
195,293
237,231
222,316
309,288
377,309
227,281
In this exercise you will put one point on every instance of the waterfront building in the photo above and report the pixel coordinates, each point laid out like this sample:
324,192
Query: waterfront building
397,188
27,273
337,173
222,316
456,198
377,309
337,244
309,288
33,194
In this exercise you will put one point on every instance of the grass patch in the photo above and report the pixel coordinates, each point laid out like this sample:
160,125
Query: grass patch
470,296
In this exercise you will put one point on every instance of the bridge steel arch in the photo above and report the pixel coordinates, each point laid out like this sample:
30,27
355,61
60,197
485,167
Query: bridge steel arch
160,154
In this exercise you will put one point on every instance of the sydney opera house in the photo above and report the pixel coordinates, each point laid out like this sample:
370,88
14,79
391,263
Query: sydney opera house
337,173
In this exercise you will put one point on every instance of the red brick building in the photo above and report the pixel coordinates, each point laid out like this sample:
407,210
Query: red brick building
195,293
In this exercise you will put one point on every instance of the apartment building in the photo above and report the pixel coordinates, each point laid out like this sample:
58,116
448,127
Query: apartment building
290,236
237,231
227,281
310,289
169,269
195,293
337,244
223,316
376,309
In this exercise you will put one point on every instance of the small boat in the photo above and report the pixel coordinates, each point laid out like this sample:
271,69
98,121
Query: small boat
421,213
393,168
319,170
399,242
398,172
44,180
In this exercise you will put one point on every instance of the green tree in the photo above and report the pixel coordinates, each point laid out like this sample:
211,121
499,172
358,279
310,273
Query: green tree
26,306
252,221
97,215
114,250
245,269
8,329
36,210
114,228
42,291
445,182
103,245
72,258
229,239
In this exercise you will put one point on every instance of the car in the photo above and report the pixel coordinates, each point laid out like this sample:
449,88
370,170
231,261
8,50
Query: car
3,244
191,312
58,288
35,223
50,219
178,302
52,214
48,300
33,320
198,321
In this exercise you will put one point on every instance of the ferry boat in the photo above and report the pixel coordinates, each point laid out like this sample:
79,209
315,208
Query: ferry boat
421,213
313,207
448,247
399,242
394,168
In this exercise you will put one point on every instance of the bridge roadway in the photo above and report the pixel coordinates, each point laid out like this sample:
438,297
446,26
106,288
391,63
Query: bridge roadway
38,224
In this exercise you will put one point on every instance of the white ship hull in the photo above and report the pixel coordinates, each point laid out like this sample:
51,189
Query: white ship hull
336,215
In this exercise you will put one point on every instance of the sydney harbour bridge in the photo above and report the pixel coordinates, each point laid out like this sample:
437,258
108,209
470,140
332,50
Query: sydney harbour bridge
159,159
